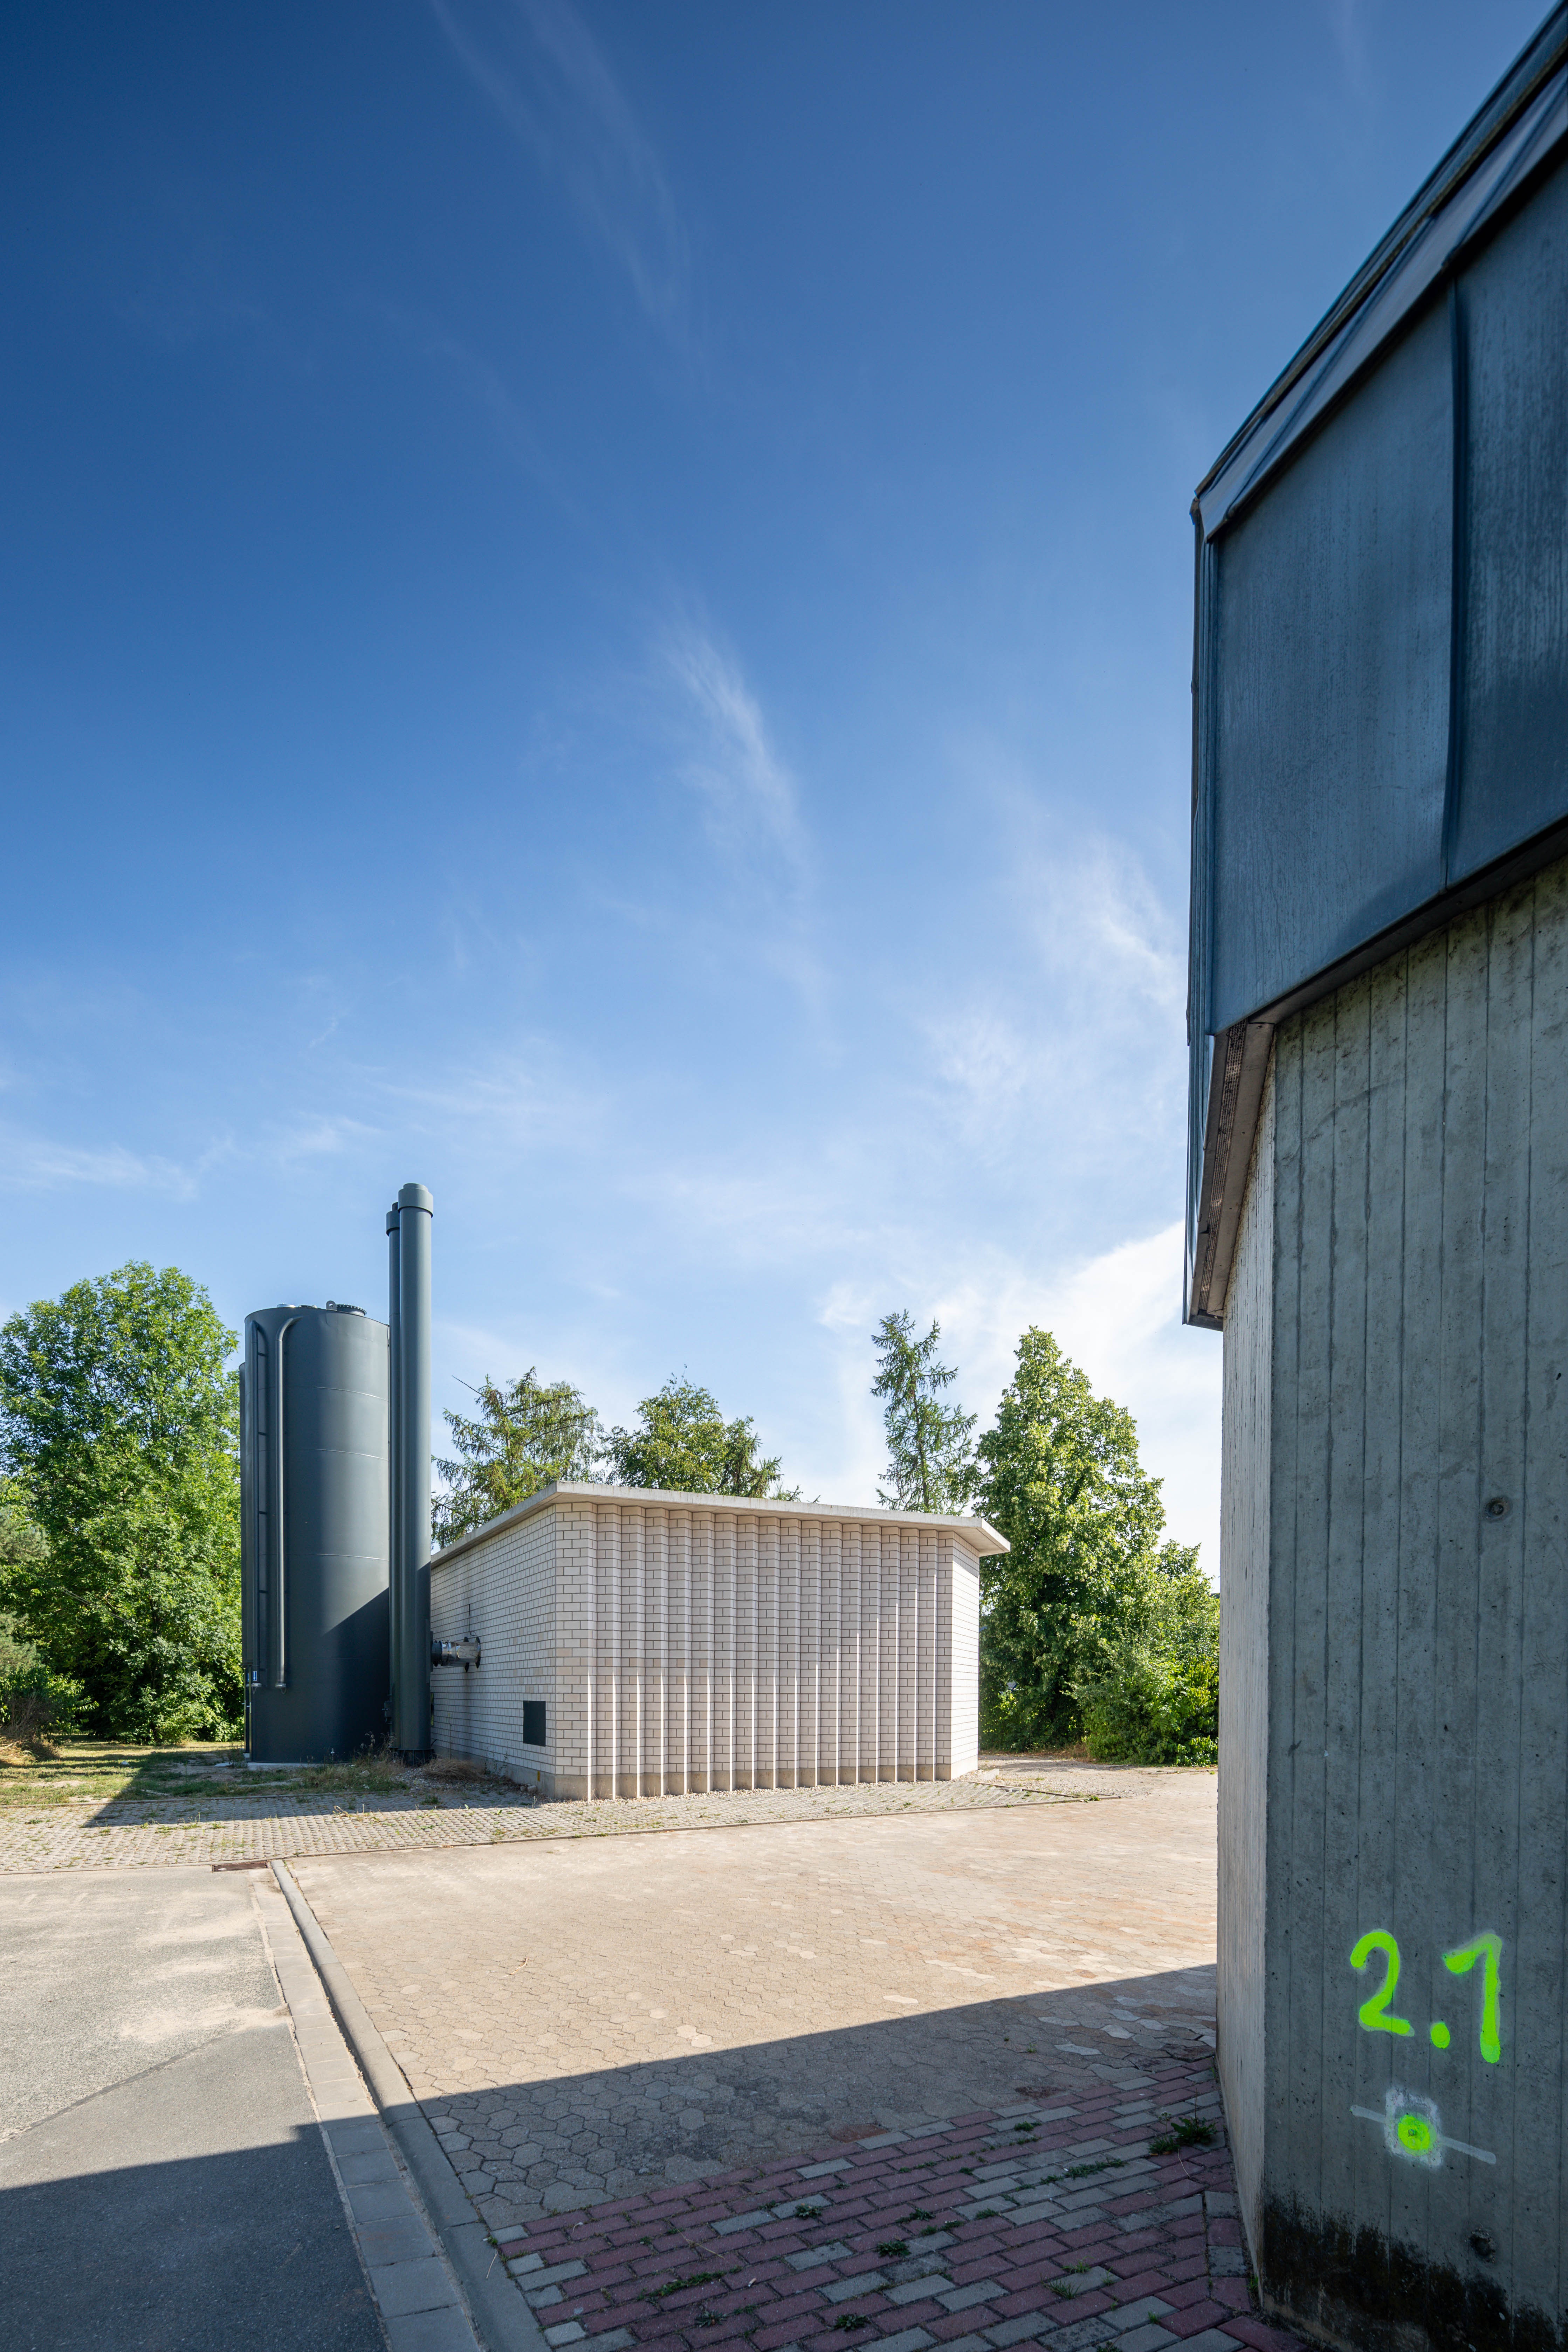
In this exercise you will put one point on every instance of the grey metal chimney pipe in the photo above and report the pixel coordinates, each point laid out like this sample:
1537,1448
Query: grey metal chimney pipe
394,1456
411,1701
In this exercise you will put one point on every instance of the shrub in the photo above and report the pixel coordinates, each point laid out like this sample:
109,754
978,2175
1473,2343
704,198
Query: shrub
34,1700
1152,1694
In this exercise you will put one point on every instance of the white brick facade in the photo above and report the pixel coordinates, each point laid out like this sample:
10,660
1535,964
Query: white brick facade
681,1643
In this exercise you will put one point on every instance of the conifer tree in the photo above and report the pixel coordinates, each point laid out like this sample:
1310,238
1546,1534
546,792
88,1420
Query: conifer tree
930,1464
526,1433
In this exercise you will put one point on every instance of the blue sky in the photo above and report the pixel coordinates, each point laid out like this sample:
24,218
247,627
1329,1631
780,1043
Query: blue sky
595,611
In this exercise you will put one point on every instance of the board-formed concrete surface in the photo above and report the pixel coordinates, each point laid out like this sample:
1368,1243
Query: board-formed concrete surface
584,2019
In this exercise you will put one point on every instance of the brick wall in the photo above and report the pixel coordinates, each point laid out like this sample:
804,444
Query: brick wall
504,1590
683,1647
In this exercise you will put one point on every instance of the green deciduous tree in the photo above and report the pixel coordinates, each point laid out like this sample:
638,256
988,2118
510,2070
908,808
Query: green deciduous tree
1152,1694
931,1450
682,1441
118,1423
526,1433
1060,1479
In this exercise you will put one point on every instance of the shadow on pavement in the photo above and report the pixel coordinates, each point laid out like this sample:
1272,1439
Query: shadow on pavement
529,2147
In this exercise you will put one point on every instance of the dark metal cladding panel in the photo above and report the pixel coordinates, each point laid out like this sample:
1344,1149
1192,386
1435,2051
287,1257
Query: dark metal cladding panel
334,1451
1331,686
247,1641
334,1573
1513,766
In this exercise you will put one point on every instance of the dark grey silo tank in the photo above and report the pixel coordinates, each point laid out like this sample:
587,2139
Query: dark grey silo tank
314,1550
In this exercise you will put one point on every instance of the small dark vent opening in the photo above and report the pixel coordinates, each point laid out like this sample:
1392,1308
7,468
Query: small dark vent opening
533,1723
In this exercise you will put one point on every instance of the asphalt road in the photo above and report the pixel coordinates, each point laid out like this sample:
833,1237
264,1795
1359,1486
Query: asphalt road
163,2184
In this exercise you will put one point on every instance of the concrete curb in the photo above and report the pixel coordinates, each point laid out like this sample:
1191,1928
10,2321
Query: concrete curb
502,2319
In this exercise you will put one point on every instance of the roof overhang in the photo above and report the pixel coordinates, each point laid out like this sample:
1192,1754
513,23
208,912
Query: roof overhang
978,1535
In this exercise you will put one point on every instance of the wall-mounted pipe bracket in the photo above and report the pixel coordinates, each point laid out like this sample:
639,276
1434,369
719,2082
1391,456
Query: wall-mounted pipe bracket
464,1653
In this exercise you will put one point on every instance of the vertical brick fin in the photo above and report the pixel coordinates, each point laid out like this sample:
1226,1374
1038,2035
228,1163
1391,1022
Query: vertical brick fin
681,1645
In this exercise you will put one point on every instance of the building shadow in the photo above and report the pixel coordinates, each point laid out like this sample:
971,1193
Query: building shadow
559,2141
216,2252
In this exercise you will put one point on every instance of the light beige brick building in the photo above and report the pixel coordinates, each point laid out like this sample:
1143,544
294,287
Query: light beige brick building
636,1641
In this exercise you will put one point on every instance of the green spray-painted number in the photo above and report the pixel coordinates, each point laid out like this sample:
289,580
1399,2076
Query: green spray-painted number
1373,2011
1487,1950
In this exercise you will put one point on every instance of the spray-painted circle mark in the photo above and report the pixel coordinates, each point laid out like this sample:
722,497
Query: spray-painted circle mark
1414,2133
1439,2032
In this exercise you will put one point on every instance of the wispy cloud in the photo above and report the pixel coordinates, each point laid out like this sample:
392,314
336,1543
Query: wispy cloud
540,67
519,1102
1116,1314
486,387
748,793
35,1163
320,1138
1348,27
1085,1038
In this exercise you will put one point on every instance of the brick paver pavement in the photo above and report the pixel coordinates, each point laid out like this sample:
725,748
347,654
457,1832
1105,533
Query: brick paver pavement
135,1832
905,2080
584,2019
1050,2223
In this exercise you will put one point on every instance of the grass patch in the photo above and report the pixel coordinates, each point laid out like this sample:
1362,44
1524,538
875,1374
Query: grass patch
202,1778
109,1773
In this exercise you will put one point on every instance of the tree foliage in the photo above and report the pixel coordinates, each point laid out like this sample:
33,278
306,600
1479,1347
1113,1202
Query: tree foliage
118,1423
526,1433
1152,1694
682,1441
1060,1479
930,1453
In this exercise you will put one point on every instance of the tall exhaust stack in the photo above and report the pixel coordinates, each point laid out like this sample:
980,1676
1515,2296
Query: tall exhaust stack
394,1452
409,1234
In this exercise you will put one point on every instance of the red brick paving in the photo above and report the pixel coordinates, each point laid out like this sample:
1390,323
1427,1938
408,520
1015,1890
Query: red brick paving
1068,2189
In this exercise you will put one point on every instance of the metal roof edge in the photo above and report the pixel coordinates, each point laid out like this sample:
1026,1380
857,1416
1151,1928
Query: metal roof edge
1241,1055
979,1534
1542,55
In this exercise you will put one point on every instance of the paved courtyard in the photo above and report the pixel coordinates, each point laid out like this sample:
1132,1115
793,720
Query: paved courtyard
923,2079
584,2020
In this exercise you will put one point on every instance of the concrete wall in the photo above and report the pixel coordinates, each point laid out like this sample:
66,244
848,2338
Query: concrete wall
1244,1671
1417,1767
691,1643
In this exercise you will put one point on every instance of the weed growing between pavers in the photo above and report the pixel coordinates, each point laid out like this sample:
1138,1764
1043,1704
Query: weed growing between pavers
679,2285
1186,2131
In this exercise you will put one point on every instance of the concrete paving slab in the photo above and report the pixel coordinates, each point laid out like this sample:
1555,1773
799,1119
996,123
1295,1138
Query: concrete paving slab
429,2331
403,2240
419,2283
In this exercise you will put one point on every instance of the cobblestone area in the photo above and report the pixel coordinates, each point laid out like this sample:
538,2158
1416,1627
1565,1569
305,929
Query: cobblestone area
1047,2223
262,1828
585,2020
